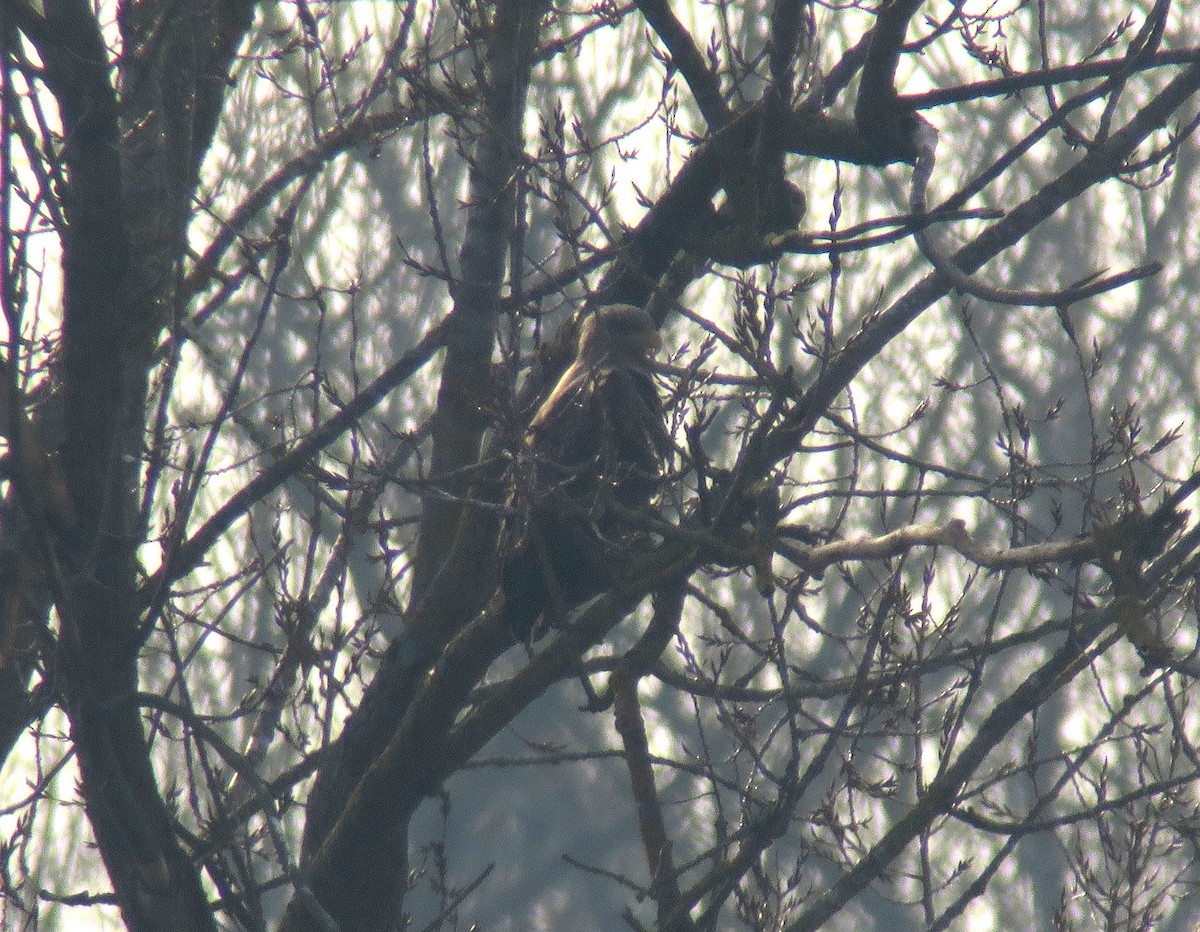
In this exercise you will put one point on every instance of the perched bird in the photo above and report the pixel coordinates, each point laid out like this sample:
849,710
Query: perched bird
601,428
598,438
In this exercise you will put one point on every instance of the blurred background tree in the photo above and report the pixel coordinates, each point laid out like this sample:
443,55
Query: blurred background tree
907,637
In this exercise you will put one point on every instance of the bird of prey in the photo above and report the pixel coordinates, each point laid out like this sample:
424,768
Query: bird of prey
602,424
598,438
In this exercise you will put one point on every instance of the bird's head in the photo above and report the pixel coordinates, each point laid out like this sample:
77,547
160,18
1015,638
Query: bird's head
619,333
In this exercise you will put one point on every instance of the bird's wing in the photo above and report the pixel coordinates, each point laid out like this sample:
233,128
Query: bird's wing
634,416
570,384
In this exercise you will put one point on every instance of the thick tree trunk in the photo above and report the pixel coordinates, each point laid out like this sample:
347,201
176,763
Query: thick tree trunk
132,163
456,541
